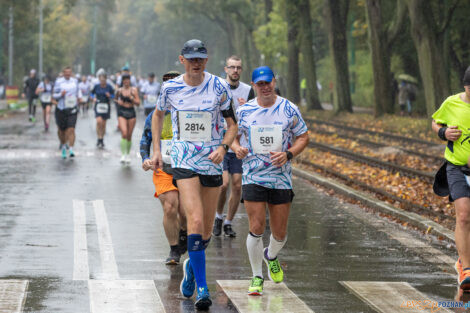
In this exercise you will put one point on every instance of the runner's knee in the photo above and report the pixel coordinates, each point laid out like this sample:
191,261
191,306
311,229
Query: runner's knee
170,210
463,217
224,187
237,187
257,226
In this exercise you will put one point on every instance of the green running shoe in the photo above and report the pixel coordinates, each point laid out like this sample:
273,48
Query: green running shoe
64,153
275,272
256,286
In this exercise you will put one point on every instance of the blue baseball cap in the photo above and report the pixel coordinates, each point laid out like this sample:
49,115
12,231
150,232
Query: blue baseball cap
125,68
262,73
194,48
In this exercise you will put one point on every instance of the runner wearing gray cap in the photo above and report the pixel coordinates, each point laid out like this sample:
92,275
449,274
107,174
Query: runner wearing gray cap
197,100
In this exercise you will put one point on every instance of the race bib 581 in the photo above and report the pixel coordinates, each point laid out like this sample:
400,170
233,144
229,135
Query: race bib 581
266,138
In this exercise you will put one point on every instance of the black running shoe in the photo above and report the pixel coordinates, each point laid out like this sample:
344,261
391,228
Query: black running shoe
217,230
228,231
173,258
183,241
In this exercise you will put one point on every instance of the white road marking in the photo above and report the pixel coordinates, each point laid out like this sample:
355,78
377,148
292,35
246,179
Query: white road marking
391,297
81,270
108,261
275,298
129,296
12,295
18,154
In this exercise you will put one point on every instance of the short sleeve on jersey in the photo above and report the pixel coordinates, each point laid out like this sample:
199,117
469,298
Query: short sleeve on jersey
240,121
162,103
298,125
222,90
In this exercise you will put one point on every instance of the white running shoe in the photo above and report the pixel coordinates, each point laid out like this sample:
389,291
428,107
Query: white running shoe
123,158
128,159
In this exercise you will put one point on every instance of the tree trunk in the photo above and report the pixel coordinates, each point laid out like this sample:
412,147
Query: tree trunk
249,62
313,100
293,83
383,100
336,12
428,42
268,7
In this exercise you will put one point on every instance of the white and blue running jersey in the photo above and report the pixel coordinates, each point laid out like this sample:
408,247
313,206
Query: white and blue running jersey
208,99
73,93
241,91
257,167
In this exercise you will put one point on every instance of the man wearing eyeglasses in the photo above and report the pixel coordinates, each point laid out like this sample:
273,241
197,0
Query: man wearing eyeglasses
241,93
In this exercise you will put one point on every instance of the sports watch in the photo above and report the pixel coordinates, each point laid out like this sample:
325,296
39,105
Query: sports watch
289,155
225,147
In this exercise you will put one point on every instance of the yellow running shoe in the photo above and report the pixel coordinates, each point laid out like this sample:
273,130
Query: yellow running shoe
275,272
256,286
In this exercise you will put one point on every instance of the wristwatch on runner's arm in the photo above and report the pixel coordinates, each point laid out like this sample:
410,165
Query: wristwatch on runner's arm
225,147
289,155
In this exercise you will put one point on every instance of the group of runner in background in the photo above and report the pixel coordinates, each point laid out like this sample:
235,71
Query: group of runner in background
73,95
208,134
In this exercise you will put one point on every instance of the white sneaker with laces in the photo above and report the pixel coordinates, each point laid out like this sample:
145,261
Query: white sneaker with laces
123,158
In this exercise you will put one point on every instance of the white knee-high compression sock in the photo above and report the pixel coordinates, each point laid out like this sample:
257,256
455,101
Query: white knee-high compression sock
254,245
275,246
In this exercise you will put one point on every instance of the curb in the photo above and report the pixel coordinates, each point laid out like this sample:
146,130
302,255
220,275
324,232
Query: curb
414,219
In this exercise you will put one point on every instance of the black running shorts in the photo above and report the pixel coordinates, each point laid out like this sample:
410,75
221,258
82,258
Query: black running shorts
206,180
66,118
104,115
125,112
257,193
45,104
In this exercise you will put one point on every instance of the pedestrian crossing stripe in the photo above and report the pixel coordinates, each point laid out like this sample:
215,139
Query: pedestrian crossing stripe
276,298
12,295
130,296
391,297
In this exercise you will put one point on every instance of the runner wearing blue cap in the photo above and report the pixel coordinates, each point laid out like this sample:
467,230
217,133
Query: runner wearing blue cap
232,175
197,100
271,132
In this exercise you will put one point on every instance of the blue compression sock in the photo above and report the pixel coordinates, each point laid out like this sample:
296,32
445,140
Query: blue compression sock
197,257
205,243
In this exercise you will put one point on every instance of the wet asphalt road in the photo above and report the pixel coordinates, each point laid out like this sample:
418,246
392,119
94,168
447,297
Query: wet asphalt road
328,242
